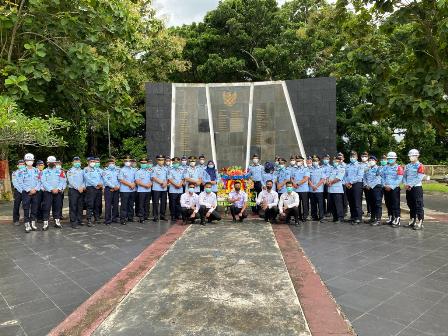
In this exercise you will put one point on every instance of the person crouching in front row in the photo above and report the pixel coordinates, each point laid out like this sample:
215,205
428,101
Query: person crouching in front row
289,204
189,202
208,203
267,199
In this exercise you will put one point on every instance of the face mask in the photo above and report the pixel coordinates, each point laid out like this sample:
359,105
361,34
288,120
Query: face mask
192,164
168,163
316,164
77,164
309,164
111,166
21,167
413,158
281,166
41,167
390,161
292,163
29,163
201,162
289,189
255,161
372,163
51,165
237,188
191,190
276,163
300,163
58,166
269,187
176,165
97,164
150,165
211,166
208,190
91,164
143,165
364,158
127,164
184,163
383,162
335,164
326,161
353,160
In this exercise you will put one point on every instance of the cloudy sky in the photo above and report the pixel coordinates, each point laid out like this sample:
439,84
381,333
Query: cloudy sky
178,12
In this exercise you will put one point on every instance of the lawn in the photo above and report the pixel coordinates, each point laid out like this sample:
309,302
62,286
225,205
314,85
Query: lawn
441,187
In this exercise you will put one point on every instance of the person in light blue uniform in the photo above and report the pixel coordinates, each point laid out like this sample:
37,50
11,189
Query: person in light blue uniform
76,189
18,188
300,176
268,174
94,185
40,165
30,184
202,165
316,183
211,175
414,174
336,189
282,176
292,164
111,192
392,175
159,188
144,184
175,191
255,171
372,183
126,177
326,166
354,174
365,164
193,174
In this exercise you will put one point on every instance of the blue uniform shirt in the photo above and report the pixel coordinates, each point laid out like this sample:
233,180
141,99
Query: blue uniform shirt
317,174
75,178
299,174
372,176
193,173
144,175
392,175
127,174
354,173
16,181
53,178
255,172
92,177
110,177
176,175
281,176
206,178
337,173
160,172
413,174
29,178
269,176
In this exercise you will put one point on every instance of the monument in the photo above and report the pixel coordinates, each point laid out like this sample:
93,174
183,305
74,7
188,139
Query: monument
228,122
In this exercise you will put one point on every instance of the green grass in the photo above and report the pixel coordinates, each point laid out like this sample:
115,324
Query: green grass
440,187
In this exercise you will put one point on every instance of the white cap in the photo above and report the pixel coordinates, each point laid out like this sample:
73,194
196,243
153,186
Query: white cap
29,157
51,159
413,152
391,155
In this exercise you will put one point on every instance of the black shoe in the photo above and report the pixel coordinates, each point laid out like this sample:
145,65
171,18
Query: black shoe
131,220
241,219
375,223
90,224
202,222
296,222
17,223
162,218
123,223
357,221
75,227
234,220
155,219
141,220
81,224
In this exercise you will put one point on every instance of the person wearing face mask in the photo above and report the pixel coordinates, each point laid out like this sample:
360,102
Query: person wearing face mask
208,204
76,188
326,167
30,184
94,185
365,164
176,181
134,205
316,184
336,190
372,183
18,188
309,162
299,178
211,175
59,166
144,184
383,162
159,179
111,192
126,177
194,174
99,195
344,198
288,204
292,164
354,174
267,199
40,167
54,183
282,176
189,202
238,198
391,176
268,174
414,174
255,170
201,166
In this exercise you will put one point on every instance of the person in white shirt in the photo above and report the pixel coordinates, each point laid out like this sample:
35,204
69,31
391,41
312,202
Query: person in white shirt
189,202
238,198
289,204
208,204
268,199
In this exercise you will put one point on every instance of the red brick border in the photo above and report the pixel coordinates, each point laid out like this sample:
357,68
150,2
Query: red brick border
321,311
87,317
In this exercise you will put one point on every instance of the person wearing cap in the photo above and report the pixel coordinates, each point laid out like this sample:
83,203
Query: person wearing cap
292,164
414,173
336,190
159,179
94,184
309,162
208,204
299,178
282,176
134,205
392,175
288,204
175,191
99,195
54,183
354,174
189,202
238,198
29,179
255,170
326,166
344,198
364,163
267,199
18,188
126,177
76,188
383,161
111,192
372,183
316,184
144,184
193,174
269,174
202,166
40,165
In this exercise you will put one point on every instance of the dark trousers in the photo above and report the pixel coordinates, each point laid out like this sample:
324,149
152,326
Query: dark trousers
53,202
142,201
327,208
158,203
337,206
186,213
29,204
375,199
234,211
148,203
367,194
175,209
392,200
98,204
292,212
40,201
111,201
344,200
135,210
270,213
127,201
255,191
16,208
75,204
317,205
304,205
354,195
91,198
414,199
213,216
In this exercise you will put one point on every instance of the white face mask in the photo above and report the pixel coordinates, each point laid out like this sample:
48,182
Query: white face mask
184,163
292,163
127,164
91,164
192,164
29,163
372,163
413,158
201,161
364,158
58,166
255,161
300,163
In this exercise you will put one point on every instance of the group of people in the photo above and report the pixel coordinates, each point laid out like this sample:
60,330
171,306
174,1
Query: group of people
190,185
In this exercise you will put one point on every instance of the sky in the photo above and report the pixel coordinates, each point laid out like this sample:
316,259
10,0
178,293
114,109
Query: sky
178,12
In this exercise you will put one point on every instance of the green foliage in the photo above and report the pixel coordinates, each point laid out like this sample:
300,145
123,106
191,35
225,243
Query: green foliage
135,147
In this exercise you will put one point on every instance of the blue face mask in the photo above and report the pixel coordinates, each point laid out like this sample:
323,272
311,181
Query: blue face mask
390,161
150,165
353,160
111,166
326,161
335,164
191,190
22,167
77,165
289,189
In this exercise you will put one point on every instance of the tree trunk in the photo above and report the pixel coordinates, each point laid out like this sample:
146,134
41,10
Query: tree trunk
5,178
